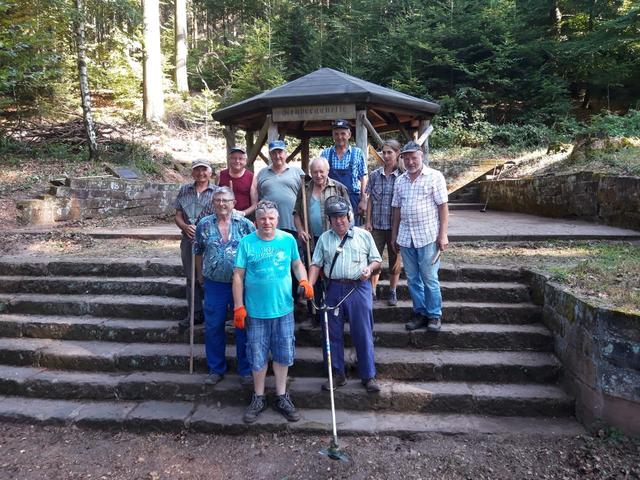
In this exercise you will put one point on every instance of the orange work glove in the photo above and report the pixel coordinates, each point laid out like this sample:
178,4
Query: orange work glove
308,289
239,314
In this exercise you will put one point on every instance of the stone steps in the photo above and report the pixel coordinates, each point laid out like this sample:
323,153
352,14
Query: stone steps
391,363
403,397
157,307
176,416
452,336
107,267
174,287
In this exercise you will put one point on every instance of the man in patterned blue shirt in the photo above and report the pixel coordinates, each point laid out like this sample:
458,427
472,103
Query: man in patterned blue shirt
215,247
347,165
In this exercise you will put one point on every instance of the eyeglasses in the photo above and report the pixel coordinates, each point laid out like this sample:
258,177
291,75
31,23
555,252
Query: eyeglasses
265,205
222,200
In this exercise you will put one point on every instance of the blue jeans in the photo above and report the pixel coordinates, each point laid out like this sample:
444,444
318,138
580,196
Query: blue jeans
217,300
422,278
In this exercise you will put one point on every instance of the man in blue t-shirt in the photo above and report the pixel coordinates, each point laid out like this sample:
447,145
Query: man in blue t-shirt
262,296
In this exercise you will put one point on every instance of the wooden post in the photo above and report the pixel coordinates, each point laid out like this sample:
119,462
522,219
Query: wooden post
361,132
262,136
273,130
229,132
304,154
249,138
424,131
372,131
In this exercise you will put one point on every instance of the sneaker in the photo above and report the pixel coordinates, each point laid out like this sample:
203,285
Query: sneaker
257,405
285,406
246,380
338,381
213,378
417,321
393,298
371,385
434,324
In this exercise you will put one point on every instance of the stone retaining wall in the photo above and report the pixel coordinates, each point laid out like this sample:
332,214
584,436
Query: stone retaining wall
602,198
98,197
600,352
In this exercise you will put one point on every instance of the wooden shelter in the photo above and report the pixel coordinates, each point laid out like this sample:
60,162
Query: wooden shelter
306,107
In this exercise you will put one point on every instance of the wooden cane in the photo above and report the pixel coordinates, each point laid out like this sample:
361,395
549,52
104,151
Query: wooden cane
191,306
306,227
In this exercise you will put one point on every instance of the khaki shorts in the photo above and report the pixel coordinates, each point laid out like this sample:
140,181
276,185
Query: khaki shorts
382,238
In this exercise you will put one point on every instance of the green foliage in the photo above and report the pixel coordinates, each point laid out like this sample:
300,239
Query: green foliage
610,125
123,152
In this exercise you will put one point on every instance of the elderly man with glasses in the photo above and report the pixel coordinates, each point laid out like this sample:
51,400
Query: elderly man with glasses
216,243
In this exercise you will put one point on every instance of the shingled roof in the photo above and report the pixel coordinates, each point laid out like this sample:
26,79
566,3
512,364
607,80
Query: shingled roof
324,86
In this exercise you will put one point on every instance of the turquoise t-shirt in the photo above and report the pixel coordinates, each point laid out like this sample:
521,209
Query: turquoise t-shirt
267,276
315,217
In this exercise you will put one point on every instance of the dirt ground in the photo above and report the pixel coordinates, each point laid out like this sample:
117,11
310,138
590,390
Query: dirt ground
51,452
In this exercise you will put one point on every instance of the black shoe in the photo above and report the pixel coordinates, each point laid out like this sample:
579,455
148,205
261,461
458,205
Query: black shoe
434,324
183,326
213,378
258,404
417,321
285,406
338,381
371,385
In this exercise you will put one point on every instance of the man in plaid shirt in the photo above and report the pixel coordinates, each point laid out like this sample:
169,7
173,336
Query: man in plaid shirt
419,231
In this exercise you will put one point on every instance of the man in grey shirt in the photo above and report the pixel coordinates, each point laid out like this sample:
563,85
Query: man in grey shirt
279,183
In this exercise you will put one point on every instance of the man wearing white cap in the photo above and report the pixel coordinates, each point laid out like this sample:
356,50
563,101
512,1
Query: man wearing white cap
194,201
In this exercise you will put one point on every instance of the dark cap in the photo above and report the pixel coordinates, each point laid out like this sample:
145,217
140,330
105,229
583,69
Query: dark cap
336,207
341,124
201,162
411,147
277,145
238,149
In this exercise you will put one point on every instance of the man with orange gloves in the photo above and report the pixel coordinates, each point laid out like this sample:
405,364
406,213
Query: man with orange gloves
264,305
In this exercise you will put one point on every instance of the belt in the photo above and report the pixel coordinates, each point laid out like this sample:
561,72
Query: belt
345,281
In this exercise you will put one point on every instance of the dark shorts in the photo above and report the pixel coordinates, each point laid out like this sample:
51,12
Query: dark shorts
382,238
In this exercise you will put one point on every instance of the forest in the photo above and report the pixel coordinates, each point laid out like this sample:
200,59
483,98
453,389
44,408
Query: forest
506,72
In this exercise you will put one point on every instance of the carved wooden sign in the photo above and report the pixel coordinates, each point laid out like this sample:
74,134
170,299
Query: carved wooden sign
314,112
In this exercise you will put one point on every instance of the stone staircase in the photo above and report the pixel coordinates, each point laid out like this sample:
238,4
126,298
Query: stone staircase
96,343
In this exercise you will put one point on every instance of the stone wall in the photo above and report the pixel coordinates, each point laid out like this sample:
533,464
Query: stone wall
600,352
601,198
98,197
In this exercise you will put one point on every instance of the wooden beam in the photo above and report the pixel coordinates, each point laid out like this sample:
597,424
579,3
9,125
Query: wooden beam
249,138
372,130
295,152
361,131
229,132
273,130
423,140
376,155
264,158
262,137
304,144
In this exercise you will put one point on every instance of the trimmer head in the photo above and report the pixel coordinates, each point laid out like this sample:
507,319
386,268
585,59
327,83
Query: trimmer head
334,452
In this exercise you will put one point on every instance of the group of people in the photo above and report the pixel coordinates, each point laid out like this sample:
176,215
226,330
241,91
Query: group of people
255,269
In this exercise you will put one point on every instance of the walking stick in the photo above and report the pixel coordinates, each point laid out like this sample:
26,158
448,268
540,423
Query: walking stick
191,307
306,227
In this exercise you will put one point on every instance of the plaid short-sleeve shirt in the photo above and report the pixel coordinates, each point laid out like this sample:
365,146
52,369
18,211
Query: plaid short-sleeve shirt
380,190
352,159
194,206
418,202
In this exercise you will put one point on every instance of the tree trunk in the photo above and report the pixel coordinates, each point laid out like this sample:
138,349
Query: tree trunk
84,82
153,93
182,84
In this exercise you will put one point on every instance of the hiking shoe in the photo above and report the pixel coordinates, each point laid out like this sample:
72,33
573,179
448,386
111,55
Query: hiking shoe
213,378
246,380
434,324
371,385
284,405
338,381
393,298
183,326
257,405
417,321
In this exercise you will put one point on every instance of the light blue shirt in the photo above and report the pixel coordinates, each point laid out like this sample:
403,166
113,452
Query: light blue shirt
316,222
359,251
267,276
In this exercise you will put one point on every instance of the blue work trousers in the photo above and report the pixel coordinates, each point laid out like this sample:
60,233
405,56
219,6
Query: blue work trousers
218,299
358,310
422,279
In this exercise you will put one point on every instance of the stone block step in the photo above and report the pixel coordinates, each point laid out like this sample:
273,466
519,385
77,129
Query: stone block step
468,291
413,397
176,416
175,287
452,336
391,363
136,267
156,307
465,206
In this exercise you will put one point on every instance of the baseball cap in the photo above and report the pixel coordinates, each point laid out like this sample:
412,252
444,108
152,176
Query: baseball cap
237,149
340,124
277,145
411,147
200,162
